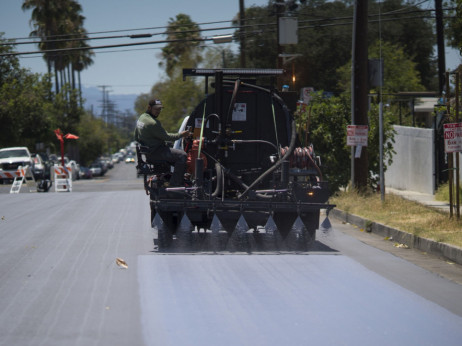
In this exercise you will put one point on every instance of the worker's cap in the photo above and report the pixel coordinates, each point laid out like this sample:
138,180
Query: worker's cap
156,104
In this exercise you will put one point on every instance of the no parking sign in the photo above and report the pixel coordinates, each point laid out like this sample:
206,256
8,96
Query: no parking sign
453,138
357,135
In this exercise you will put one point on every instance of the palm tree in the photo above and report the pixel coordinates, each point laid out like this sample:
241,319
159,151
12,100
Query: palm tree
184,29
55,22
43,19
81,61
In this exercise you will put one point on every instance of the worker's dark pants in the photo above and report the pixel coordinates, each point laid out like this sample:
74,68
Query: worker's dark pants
174,156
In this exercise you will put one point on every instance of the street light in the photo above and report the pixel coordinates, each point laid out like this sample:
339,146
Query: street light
222,39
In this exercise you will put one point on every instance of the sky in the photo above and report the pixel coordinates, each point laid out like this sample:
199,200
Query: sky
131,70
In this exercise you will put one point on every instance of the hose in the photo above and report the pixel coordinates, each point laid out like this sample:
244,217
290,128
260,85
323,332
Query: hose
218,188
237,83
220,176
211,115
255,141
202,129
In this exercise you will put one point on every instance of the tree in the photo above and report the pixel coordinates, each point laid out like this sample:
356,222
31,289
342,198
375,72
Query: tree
178,96
185,46
260,43
219,57
400,72
26,113
56,23
454,25
44,19
328,119
402,25
325,36
92,138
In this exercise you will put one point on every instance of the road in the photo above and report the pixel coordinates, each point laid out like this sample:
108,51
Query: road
60,284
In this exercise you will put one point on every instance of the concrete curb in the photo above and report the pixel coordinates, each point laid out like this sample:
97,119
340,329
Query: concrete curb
450,252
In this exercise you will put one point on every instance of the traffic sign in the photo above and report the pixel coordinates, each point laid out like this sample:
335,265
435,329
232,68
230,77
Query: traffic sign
453,138
357,135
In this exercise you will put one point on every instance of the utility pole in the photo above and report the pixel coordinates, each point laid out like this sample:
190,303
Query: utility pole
360,89
280,8
242,31
104,112
440,44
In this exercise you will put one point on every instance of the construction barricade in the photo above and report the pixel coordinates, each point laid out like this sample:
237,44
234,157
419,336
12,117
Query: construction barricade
62,178
23,174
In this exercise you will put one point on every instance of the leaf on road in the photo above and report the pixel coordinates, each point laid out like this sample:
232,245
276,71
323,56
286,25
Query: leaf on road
121,263
402,246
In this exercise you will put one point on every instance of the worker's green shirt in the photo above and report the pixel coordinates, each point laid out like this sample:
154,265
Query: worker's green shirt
149,132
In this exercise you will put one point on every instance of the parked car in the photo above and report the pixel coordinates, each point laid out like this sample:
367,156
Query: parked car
75,168
123,152
96,169
107,161
11,158
104,166
116,158
85,173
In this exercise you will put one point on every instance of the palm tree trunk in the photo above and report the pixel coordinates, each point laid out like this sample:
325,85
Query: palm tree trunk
80,89
73,76
56,80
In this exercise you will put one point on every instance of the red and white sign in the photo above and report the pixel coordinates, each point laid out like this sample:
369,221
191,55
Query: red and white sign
453,138
357,135
306,94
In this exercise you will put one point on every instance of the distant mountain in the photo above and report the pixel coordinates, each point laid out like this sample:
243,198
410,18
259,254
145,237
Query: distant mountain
94,100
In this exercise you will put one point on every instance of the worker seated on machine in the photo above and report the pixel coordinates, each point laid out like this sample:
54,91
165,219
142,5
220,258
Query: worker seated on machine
149,132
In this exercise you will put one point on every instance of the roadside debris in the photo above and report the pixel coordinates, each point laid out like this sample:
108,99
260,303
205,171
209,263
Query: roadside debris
401,246
121,263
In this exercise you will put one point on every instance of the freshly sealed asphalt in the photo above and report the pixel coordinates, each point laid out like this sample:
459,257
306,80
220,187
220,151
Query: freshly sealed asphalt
60,283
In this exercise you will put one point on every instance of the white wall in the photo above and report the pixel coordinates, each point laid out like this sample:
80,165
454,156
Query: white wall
413,164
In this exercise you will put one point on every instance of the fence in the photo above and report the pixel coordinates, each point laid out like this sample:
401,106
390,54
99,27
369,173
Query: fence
413,166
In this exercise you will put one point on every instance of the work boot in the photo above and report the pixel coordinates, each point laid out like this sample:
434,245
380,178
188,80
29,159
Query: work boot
178,174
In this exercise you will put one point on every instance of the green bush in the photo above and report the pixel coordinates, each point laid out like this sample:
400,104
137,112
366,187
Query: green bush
325,121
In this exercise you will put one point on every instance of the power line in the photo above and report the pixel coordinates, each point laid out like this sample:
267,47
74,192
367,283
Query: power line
247,34
121,30
146,35
105,46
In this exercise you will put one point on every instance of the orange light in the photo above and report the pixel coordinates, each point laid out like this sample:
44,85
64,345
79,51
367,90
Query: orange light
310,193
293,78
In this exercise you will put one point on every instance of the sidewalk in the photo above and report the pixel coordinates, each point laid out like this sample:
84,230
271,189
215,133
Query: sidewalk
450,252
423,198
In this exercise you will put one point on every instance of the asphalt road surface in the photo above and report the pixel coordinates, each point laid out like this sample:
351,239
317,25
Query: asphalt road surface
60,283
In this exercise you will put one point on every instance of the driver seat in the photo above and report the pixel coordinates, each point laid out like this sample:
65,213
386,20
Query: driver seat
153,167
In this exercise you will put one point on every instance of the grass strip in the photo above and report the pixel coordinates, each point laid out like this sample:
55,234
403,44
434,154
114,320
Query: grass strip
398,212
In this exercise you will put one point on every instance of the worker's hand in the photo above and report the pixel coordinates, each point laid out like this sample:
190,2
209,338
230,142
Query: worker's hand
185,134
